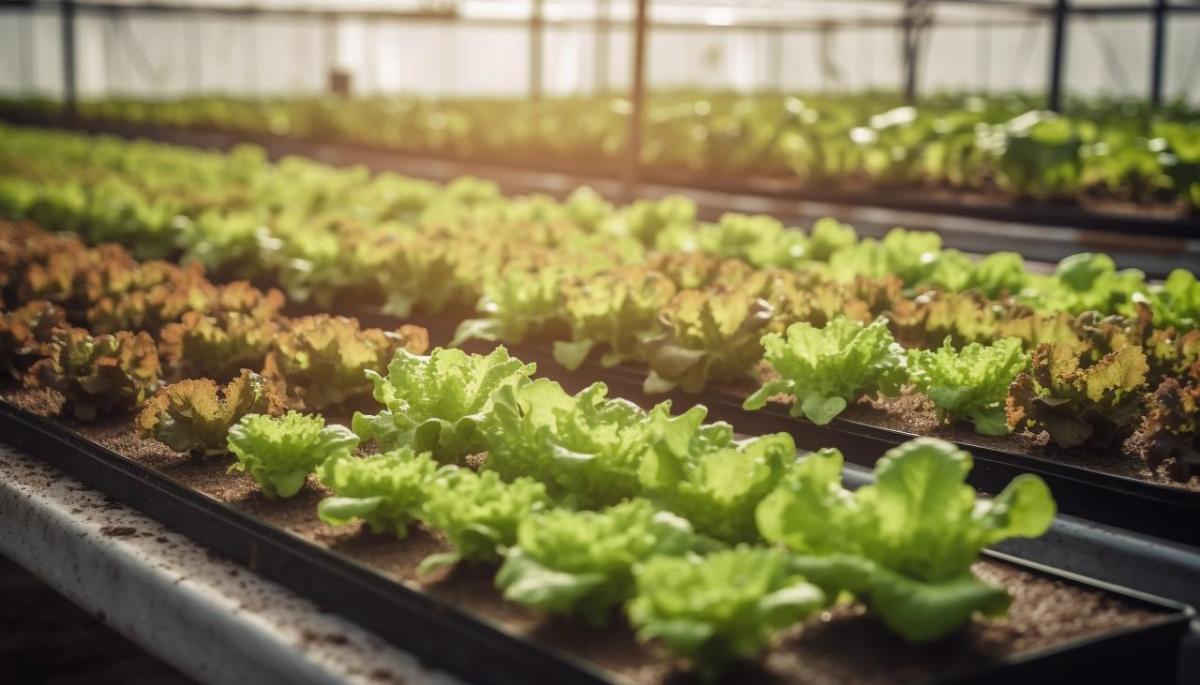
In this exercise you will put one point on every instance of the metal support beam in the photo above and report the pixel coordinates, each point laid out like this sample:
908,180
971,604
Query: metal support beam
1158,56
70,87
1058,41
909,50
537,30
601,35
637,98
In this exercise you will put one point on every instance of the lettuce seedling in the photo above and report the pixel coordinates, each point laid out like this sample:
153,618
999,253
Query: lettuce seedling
717,609
280,453
27,332
195,415
478,513
700,473
581,562
386,490
705,335
101,374
970,384
1171,427
322,360
1077,400
436,403
824,369
613,310
586,448
911,536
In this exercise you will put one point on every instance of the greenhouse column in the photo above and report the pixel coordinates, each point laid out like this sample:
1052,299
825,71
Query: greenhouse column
536,31
70,95
637,98
1058,38
1158,59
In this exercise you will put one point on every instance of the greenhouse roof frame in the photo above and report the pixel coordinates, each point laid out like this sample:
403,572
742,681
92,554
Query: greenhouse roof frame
913,21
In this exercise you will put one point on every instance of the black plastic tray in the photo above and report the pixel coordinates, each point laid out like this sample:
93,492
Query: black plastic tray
454,639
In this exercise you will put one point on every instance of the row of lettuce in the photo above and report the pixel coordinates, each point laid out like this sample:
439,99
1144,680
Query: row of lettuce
1089,354
1109,149
712,545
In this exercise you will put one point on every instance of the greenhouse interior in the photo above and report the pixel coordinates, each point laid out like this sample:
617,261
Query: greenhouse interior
599,341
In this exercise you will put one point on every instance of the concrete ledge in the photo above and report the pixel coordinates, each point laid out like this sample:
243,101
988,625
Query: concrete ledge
210,618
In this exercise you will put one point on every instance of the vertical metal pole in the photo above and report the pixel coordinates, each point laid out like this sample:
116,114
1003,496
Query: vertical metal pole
908,50
637,97
1058,39
1158,58
603,21
536,31
70,92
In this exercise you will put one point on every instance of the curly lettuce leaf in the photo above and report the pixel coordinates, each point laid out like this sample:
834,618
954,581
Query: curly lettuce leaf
586,447
825,369
700,473
436,403
1078,400
581,562
612,310
322,360
478,513
905,544
385,490
99,374
195,415
971,383
705,335
280,453
717,609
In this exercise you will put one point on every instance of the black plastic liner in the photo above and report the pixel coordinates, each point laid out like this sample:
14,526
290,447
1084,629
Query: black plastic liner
453,639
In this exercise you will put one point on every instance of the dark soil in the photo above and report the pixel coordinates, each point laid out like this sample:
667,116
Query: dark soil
840,645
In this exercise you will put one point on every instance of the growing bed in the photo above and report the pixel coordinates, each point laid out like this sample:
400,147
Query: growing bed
484,456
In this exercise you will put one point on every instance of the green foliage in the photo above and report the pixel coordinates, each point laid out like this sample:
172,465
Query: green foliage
195,415
972,383
386,490
586,448
912,535
705,336
436,403
1177,301
719,608
613,310
581,562
478,513
1077,399
824,369
280,453
99,374
322,360
700,473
